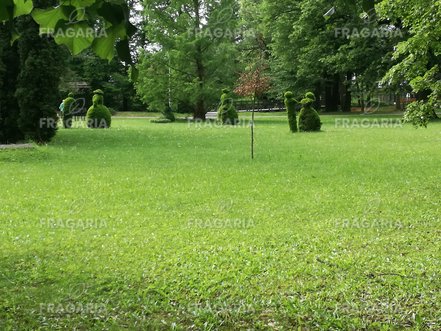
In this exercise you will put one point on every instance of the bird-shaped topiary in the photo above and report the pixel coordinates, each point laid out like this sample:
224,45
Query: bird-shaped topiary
227,114
98,115
309,119
68,108
291,106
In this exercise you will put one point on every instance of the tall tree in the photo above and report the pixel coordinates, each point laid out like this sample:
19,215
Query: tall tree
311,52
9,69
41,66
191,53
419,56
111,77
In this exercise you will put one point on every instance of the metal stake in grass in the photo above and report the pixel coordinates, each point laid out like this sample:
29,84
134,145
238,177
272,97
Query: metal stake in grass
252,128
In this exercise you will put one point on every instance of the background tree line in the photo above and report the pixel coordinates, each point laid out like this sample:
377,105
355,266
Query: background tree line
346,55
188,50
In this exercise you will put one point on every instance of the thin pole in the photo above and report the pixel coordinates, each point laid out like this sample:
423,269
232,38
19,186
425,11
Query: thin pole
252,129
169,81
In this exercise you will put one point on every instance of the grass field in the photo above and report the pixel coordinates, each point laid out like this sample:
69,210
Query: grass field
172,226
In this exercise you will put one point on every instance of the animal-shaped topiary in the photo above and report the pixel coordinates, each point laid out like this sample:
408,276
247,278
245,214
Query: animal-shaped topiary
68,108
309,119
227,114
291,106
98,115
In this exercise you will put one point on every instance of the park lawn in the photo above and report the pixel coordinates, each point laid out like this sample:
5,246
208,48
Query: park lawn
172,226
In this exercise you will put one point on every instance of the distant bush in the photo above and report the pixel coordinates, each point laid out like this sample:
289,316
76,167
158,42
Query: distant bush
419,113
112,111
309,119
291,105
161,121
98,116
168,114
227,113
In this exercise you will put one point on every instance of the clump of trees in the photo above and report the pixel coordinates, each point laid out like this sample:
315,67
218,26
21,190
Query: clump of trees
32,69
31,64
191,51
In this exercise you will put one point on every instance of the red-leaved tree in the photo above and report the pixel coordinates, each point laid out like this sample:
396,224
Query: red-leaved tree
253,83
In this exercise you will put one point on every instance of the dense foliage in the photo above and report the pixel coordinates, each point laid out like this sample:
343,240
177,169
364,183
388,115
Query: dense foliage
87,72
41,65
9,110
418,57
191,48
191,51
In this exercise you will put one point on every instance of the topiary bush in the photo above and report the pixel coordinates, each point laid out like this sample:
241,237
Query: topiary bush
310,95
227,113
309,119
68,105
98,116
291,106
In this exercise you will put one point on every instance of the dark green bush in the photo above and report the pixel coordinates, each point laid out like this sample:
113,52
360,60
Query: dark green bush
41,68
309,119
291,108
9,70
98,116
227,113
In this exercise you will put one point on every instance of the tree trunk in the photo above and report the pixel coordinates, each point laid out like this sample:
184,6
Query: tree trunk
398,101
332,96
200,111
318,97
345,92
362,102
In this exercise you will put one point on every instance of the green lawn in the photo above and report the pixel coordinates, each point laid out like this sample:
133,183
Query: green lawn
172,226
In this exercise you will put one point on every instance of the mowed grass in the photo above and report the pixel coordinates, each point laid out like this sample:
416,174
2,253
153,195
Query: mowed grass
172,226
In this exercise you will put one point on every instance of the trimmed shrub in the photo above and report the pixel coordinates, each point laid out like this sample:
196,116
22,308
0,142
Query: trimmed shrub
98,116
227,113
291,106
309,119
68,105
